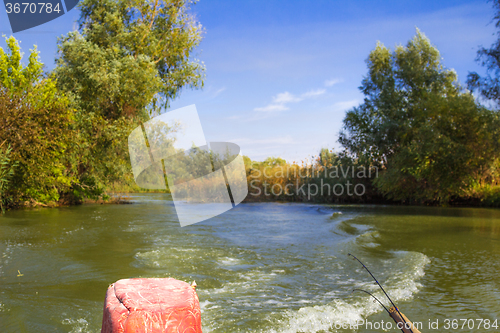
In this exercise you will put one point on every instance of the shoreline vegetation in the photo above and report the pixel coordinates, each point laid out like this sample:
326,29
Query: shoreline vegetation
418,138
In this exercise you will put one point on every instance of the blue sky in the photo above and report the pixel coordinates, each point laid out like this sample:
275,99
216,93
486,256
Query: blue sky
280,75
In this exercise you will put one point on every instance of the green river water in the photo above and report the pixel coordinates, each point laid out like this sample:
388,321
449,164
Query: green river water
260,267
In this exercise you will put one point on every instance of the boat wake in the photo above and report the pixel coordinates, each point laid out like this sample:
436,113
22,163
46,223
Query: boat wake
347,312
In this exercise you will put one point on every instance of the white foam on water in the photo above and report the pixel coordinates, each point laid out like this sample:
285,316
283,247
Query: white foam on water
369,239
250,290
351,311
324,317
149,259
163,257
229,261
204,304
78,325
253,280
69,232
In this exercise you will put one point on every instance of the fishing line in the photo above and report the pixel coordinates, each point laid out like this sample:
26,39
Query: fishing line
390,300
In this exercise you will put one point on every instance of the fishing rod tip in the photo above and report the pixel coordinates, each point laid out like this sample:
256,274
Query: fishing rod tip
352,291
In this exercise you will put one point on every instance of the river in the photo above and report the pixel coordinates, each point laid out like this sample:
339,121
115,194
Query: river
260,267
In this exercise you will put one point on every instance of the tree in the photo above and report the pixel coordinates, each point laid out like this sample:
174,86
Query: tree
273,161
433,141
489,85
130,54
35,123
126,62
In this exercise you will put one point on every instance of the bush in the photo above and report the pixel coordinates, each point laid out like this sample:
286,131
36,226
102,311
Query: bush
35,119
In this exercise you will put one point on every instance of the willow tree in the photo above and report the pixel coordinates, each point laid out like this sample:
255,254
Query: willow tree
127,60
427,134
130,54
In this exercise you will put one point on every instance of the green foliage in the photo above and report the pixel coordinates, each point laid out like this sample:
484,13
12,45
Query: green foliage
102,157
35,119
128,59
6,172
395,85
489,85
327,158
13,75
274,161
433,141
129,55
450,153
489,195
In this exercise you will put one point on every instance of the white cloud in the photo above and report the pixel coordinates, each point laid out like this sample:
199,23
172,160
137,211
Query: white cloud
283,98
272,108
219,91
286,97
313,93
345,105
329,83
279,102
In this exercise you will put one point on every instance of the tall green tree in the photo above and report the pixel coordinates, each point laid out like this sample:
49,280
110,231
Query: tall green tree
488,86
130,54
430,138
128,59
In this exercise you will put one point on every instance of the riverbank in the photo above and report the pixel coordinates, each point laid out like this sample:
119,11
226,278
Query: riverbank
124,198
111,199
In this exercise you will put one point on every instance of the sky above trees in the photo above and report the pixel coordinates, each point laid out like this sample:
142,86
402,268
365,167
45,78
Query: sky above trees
280,78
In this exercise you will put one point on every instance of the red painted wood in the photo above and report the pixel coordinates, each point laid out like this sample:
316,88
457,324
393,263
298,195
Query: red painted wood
151,306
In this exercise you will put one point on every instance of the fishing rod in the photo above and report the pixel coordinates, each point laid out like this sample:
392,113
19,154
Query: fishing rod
374,298
390,300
